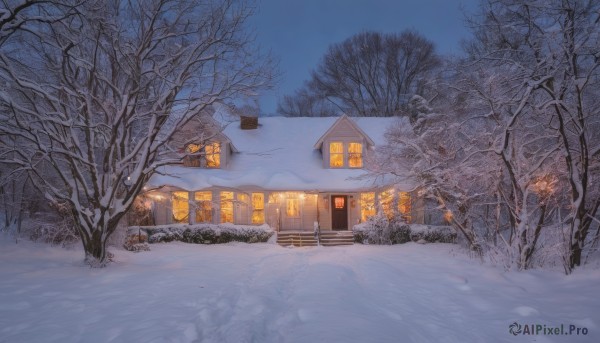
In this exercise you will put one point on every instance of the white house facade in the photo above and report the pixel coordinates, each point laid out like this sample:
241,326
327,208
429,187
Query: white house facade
290,173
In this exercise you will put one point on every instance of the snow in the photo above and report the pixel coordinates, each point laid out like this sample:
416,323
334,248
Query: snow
266,293
280,155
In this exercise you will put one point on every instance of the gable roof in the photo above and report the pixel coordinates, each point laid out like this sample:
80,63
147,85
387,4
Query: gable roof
279,155
338,122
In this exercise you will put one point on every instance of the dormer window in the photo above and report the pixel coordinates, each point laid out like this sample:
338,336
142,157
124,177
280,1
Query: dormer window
207,156
213,155
336,155
355,153
345,155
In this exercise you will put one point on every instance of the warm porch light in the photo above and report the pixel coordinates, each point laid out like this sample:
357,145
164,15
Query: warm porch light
544,185
448,216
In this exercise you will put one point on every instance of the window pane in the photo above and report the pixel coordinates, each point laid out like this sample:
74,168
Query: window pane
386,200
336,147
367,206
180,207
339,202
226,207
336,154
192,148
192,158
203,207
404,207
213,155
258,208
355,155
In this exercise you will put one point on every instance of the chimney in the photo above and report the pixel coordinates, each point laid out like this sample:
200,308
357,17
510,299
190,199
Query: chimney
248,123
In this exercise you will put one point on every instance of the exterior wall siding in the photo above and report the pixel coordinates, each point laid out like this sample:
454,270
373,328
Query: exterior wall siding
312,208
324,211
309,215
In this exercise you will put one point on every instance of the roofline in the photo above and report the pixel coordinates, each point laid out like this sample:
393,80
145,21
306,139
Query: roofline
343,117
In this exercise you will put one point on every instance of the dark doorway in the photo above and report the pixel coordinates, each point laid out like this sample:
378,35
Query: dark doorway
339,212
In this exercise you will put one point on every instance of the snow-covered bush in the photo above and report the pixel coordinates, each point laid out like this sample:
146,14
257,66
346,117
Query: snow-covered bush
380,230
58,233
206,233
57,228
432,234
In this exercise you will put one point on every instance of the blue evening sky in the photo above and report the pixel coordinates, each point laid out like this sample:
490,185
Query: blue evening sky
298,32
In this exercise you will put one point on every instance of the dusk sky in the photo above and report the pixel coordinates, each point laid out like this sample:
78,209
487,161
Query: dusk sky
299,32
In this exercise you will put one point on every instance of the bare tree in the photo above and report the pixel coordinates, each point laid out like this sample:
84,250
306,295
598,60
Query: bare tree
94,99
305,103
370,74
515,156
19,14
547,54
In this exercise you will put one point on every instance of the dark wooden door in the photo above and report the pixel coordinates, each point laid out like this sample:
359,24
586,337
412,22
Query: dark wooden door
339,212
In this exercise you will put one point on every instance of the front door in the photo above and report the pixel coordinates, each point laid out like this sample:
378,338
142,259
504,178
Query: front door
339,212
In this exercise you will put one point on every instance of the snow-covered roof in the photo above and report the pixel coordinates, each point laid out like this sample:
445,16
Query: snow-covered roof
280,155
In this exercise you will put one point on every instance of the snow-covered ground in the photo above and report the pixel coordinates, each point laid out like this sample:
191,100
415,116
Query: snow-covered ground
265,293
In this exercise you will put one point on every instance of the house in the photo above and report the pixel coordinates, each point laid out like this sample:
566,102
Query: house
291,173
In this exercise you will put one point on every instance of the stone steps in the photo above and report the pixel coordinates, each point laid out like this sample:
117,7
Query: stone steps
307,238
333,238
297,239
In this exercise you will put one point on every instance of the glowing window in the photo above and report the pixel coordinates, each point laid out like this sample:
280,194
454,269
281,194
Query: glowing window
193,158
193,148
336,154
226,207
213,155
355,159
404,207
367,206
338,202
258,208
292,204
386,199
203,207
180,207
242,198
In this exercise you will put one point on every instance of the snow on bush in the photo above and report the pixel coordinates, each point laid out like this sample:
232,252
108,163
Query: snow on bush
206,233
380,230
432,233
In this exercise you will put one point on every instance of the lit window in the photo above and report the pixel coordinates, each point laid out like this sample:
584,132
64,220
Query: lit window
367,206
292,204
386,199
213,155
203,207
192,159
193,148
226,207
258,208
180,207
339,202
404,206
198,155
355,159
336,154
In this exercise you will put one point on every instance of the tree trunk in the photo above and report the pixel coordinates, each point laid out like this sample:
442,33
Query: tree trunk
94,246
